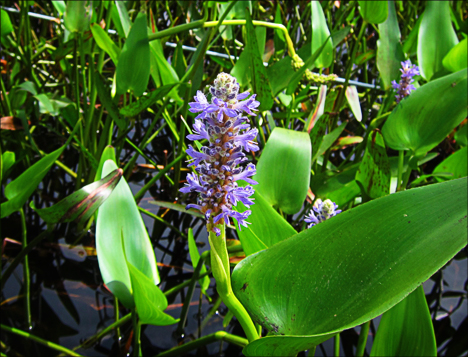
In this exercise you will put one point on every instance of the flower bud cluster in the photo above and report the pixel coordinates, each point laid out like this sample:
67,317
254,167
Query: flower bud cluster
221,162
323,211
405,87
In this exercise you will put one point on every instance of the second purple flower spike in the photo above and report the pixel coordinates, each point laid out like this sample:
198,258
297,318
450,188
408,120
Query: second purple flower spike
220,164
404,87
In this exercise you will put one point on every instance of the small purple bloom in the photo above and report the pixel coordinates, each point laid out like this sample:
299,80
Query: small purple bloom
404,87
321,211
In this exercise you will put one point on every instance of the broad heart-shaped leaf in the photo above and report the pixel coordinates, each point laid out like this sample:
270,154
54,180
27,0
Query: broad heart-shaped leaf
457,57
406,329
374,174
428,115
81,204
283,172
436,37
267,226
105,43
320,34
134,63
389,49
455,164
119,215
374,12
18,191
149,299
260,83
356,265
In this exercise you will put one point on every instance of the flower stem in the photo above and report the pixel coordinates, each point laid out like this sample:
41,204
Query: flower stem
361,346
222,275
401,159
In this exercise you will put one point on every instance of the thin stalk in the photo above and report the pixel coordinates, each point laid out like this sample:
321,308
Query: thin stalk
401,159
210,314
337,346
49,344
92,340
6,99
217,336
26,277
361,346
117,317
136,334
152,215
186,283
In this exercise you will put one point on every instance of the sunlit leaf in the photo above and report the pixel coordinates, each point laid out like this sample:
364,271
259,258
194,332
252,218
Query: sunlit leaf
428,115
107,102
7,161
18,191
119,216
319,35
134,62
356,247
389,49
436,37
406,329
105,43
283,171
374,12
456,59
353,101
455,164
76,18
6,26
81,204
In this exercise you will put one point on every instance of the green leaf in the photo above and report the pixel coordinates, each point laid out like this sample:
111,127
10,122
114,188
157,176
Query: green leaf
282,346
134,63
267,226
352,97
283,171
406,329
320,35
374,12
436,37
119,216
149,299
456,58
374,174
455,164
105,43
60,6
260,83
329,139
422,120
195,257
107,154
121,18
81,204
76,18
356,265
107,102
389,49
461,136
18,191
8,160
143,103
6,26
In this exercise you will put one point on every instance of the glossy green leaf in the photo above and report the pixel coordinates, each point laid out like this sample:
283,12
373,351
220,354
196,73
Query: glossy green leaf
320,35
195,257
389,49
422,120
6,26
107,102
356,265
121,18
283,171
456,59
267,226
406,329
260,83
143,103
60,6
374,12
8,160
353,101
18,191
81,204
105,43
119,216
134,63
149,299
317,134
436,37
373,173
455,164
76,18
107,154
461,136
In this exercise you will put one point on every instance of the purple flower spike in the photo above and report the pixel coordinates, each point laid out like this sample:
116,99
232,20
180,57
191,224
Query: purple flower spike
217,165
323,211
404,88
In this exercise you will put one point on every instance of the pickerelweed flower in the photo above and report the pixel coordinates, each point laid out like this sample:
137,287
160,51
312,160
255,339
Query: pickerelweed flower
220,164
405,87
323,211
